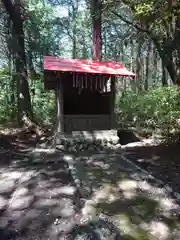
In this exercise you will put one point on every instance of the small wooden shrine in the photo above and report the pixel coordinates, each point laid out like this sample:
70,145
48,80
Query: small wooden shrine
85,92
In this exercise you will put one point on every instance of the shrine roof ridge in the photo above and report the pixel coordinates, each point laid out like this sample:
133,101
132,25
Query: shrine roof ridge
53,63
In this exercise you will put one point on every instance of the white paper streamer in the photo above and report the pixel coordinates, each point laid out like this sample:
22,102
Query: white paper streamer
74,81
86,81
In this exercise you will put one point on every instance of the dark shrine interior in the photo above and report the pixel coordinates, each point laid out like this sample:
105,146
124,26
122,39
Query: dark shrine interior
80,100
86,102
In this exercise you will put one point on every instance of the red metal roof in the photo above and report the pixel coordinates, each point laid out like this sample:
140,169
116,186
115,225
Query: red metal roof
85,66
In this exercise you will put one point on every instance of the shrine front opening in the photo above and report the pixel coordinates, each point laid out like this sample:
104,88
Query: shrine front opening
85,101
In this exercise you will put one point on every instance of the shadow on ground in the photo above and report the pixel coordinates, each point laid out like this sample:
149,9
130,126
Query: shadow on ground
37,197
38,200
138,206
162,161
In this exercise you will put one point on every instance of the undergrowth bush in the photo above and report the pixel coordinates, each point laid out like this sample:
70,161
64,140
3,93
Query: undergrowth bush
43,101
7,104
157,109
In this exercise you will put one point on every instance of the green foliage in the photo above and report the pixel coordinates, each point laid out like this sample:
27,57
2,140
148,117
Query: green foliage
143,8
158,109
7,106
43,103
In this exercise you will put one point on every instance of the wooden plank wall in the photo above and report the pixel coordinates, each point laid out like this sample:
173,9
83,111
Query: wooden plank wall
86,122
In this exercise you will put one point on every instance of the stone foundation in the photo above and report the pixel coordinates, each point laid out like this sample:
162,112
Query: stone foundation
87,141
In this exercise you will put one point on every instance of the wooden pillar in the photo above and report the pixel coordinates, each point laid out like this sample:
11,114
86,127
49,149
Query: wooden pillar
60,110
112,103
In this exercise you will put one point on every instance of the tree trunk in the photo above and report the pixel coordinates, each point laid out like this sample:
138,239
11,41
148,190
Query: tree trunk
84,48
9,40
164,76
167,59
155,68
166,52
133,82
23,95
138,67
96,11
75,7
105,45
169,65
166,46
32,71
147,66
74,34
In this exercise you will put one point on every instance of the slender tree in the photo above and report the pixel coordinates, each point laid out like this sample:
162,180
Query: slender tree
23,95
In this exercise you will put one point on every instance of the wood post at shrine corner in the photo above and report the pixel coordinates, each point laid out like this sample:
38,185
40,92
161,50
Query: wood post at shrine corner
60,110
112,103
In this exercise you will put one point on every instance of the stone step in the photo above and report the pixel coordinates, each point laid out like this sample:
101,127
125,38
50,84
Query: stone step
83,141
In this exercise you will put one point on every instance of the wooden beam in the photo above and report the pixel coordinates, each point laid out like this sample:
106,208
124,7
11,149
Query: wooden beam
60,110
112,103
